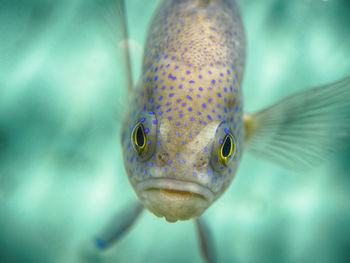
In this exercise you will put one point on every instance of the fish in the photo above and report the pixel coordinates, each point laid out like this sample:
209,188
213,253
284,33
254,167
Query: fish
185,130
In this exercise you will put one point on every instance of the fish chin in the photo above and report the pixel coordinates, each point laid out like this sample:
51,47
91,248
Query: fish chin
174,199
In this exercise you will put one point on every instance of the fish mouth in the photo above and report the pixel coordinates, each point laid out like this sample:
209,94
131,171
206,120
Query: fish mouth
174,199
176,188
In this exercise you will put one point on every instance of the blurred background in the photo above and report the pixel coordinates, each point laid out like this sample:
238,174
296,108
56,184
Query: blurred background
63,94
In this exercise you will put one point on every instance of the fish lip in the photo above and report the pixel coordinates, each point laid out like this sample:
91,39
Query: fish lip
177,185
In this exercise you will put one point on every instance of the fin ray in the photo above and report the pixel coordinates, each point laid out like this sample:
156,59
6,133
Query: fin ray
304,128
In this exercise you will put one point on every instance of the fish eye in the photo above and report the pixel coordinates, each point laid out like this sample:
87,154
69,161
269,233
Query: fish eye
143,137
226,149
139,139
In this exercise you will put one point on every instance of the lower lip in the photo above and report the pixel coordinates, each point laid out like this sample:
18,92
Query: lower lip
176,188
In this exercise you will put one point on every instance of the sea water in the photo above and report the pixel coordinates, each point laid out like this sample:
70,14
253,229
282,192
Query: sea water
62,97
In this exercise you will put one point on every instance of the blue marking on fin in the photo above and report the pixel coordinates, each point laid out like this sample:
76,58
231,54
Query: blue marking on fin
99,243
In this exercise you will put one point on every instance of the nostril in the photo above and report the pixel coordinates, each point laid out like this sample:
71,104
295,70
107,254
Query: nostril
202,163
162,158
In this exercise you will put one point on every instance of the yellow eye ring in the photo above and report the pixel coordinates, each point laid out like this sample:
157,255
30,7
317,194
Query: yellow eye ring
139,139
226,149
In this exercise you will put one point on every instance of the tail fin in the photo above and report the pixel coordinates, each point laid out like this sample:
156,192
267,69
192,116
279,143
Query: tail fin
304,128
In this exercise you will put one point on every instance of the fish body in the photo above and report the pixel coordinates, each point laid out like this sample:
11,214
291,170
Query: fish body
188,99
185,130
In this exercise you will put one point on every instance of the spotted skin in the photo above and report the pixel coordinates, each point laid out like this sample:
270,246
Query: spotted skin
189,96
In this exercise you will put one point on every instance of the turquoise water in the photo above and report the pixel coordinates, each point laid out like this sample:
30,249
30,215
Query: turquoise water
61,174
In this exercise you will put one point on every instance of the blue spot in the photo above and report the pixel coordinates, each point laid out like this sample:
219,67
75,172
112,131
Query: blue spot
191,119
189,97
160,97
209,117
142,120
188,72
100,243
203,105
191,81
178,100
168,110
169,117
213,81
190,109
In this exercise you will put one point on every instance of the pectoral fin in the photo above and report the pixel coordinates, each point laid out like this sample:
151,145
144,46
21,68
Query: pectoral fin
119,225
303,129
205,240
113,17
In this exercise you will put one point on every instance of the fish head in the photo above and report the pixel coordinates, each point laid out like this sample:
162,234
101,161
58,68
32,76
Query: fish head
179,161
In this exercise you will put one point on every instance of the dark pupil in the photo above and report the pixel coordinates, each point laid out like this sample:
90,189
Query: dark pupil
227,147
140,140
